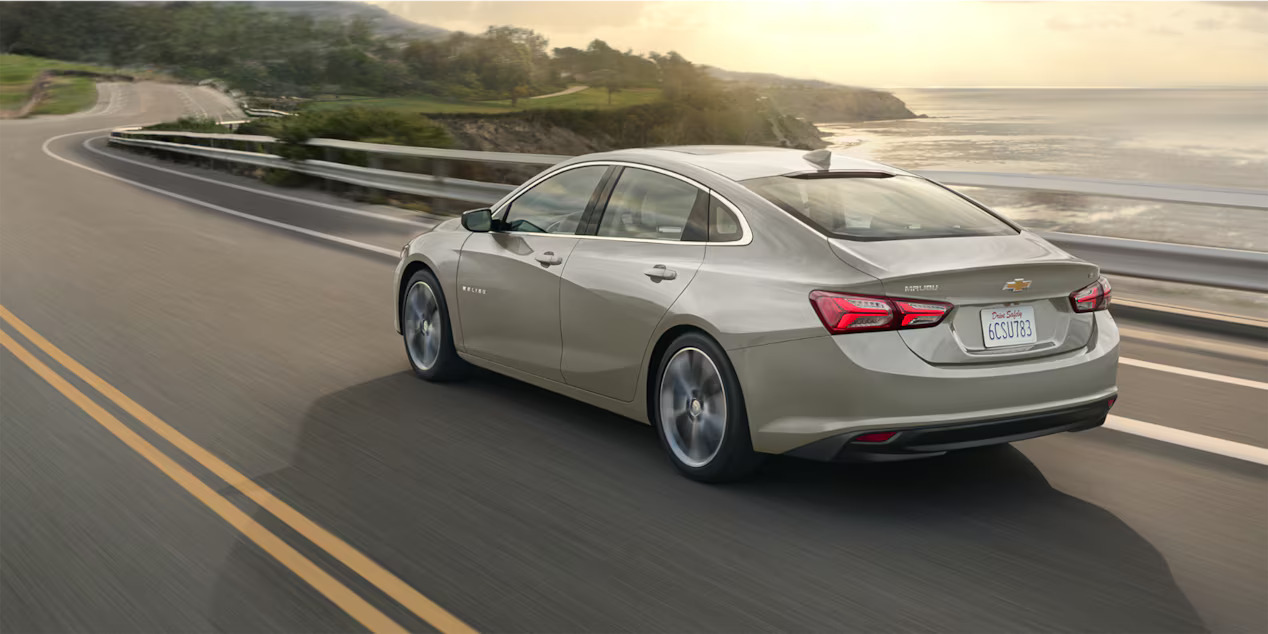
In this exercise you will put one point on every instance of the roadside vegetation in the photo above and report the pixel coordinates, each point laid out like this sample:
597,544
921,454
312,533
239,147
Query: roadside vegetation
348,124
423,81
275,53
588,99
68,94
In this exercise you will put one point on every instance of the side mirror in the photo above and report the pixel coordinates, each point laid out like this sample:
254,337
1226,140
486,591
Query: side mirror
478,220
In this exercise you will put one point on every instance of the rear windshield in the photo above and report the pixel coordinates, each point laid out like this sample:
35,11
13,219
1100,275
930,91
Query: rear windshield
878,208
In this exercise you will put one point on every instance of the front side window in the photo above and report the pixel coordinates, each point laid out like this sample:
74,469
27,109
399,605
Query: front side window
556,204
649,205
878,207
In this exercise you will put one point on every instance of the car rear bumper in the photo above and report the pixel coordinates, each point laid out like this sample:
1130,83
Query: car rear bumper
834,387
938,439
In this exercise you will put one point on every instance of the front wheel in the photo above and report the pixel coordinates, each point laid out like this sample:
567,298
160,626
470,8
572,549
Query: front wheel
699,412
425,328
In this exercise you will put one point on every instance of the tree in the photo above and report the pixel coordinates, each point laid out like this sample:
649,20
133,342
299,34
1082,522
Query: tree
518,93
609,79
682,80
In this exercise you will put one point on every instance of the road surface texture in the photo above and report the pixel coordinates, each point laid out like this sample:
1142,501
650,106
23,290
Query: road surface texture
208,423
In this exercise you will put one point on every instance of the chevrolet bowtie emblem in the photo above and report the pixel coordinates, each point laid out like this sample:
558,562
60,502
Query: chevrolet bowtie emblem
1018,285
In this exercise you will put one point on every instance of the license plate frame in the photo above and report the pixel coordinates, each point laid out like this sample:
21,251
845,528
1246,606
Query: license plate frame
1009,326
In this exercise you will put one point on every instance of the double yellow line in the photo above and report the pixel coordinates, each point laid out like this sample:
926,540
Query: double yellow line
352,603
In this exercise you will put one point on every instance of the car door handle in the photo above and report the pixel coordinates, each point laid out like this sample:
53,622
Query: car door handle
548,258
659,272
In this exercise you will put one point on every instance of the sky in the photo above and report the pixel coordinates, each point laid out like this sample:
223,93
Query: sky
910,44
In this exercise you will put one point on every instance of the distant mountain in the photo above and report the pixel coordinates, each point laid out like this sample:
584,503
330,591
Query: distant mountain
766,79
383,21
820,101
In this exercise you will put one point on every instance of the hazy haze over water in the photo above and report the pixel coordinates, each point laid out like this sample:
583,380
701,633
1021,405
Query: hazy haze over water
1199,136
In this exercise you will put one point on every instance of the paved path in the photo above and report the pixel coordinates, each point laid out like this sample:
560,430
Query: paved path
567,91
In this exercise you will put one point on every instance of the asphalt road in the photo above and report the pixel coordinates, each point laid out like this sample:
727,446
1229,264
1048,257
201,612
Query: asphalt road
510,508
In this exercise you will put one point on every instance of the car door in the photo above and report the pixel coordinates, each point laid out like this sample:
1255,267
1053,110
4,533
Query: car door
508,279
647,243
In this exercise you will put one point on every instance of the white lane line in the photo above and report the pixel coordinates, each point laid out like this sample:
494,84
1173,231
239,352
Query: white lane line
1197,374
226,210
189,99
1228,448
314,203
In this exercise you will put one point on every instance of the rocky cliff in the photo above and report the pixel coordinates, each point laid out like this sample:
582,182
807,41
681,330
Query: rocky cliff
752,121
838,104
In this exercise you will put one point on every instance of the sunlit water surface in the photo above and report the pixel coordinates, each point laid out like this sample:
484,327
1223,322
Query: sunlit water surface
1206,137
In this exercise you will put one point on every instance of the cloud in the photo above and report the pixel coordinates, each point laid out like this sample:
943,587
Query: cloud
1059,23
1257,6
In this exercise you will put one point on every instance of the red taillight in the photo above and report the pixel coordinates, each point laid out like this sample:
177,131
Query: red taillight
1112,400
876,436
842,313
920,314
1094,296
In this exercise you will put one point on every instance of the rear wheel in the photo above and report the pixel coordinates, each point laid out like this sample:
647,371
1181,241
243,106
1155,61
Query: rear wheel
425,328
699,413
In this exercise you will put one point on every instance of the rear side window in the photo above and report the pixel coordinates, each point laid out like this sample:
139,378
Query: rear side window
649,206
878,208
723,225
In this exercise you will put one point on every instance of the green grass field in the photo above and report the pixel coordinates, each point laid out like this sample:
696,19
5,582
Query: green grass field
69,94
591,98
588,99
409,105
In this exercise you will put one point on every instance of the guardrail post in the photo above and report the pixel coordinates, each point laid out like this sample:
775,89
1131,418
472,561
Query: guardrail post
329,155
375,162
440,170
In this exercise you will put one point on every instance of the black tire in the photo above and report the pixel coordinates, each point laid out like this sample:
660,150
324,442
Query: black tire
731,459
440,361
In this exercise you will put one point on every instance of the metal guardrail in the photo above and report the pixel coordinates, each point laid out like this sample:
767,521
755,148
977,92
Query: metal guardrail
404,182
1186,264
1186,194
1202,266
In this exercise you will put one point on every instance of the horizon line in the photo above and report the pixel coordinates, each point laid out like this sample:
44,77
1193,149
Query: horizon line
1014,87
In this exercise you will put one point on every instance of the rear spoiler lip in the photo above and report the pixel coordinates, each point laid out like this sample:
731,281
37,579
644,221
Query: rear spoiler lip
813,174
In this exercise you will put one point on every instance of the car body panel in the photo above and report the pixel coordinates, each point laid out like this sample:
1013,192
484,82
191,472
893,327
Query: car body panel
800,384
609,308
508,302
801,391
438,250
972,273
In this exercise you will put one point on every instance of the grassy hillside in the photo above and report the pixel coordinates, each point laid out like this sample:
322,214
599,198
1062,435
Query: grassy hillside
406,105
589,99
68,95
17,74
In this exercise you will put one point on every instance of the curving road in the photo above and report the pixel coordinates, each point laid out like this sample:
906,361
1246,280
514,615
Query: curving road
207,423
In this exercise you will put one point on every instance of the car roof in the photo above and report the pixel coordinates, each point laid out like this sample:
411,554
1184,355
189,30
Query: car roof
742,162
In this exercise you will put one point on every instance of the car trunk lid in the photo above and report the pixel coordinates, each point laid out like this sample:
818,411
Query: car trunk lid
975,274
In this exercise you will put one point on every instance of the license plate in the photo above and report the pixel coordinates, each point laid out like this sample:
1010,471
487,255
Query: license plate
1009,326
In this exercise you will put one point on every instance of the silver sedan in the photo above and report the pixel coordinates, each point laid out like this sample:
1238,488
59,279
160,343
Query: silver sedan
749,301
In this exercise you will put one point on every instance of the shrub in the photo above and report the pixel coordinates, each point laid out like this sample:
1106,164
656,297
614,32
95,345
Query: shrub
191,124
363,124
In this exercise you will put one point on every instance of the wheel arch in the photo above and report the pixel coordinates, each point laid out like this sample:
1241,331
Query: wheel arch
658,353
402,284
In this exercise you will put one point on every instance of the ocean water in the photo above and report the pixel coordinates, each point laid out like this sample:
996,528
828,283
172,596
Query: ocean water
1206,137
